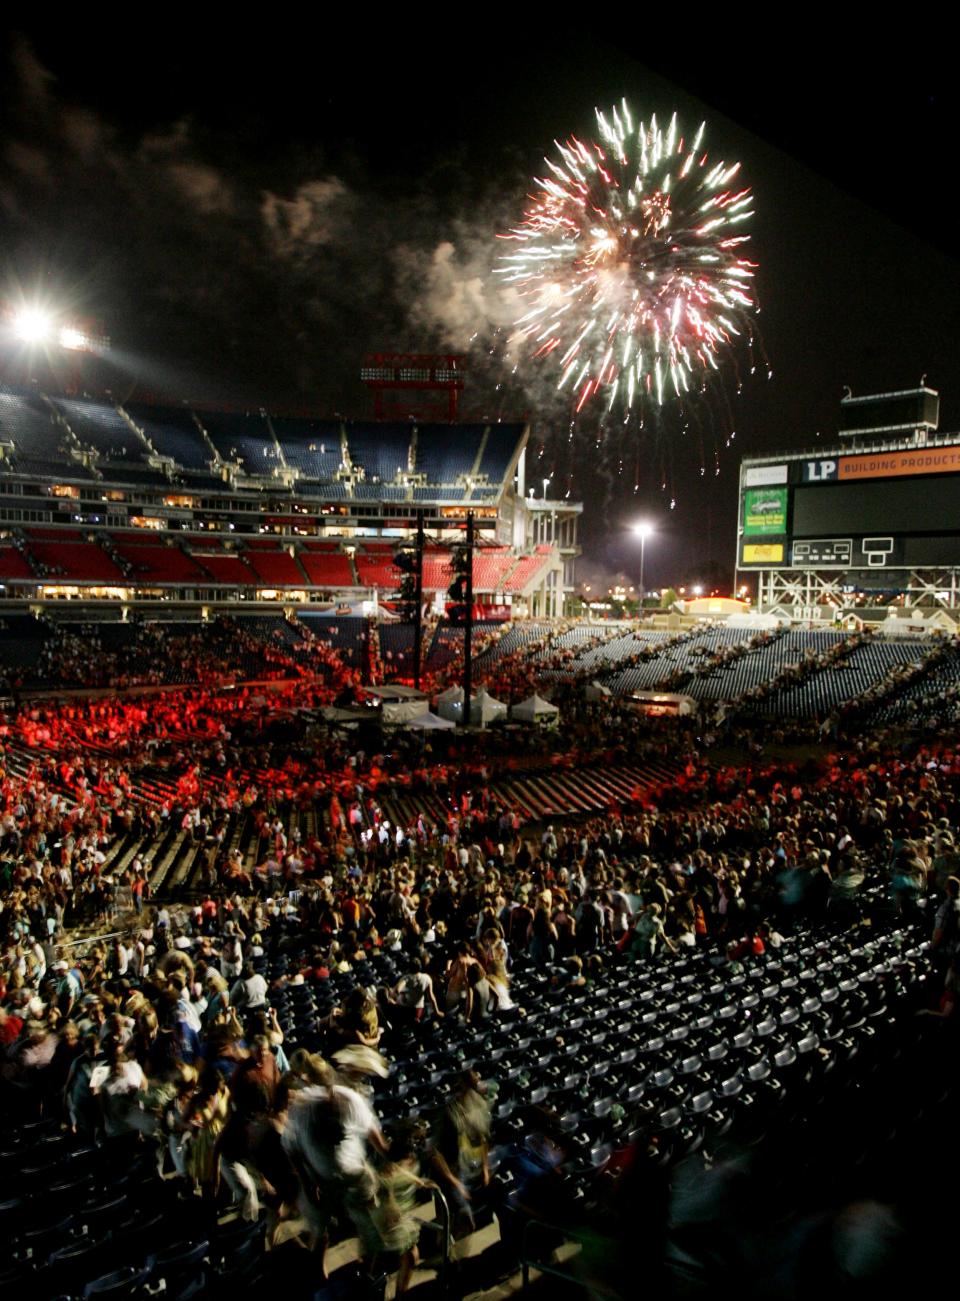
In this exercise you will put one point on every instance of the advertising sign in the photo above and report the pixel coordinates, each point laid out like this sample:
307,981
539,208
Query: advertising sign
762,553
759,476
820,471
887,465
764,511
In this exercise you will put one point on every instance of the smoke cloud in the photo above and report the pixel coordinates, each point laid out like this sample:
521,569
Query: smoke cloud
270,279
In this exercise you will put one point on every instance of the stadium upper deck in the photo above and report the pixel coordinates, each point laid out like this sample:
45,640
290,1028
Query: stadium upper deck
144,502
79,440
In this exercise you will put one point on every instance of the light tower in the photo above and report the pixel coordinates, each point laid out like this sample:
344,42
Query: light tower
642,530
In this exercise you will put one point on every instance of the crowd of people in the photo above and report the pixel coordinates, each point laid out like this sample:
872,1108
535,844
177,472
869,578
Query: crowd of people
155,653
171,1023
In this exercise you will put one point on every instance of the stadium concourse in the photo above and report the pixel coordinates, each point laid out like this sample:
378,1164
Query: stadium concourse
293,995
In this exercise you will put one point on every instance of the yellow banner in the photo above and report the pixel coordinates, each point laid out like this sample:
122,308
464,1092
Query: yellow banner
763,553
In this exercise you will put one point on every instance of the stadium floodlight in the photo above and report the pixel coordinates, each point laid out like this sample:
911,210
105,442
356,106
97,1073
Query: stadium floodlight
72,339
32,325
643,529
38,323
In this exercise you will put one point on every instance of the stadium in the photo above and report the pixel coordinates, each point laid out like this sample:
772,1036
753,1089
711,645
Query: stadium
213,751
374,919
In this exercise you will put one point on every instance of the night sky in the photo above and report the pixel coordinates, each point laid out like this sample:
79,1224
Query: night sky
248,215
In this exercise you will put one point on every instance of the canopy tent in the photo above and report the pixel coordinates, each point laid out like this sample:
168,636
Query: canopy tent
402,711
338,717
429,723
450,704
535,710
484,708
597,691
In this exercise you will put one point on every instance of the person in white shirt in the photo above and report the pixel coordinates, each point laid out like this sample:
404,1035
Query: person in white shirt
330,1133
249,994
118,1084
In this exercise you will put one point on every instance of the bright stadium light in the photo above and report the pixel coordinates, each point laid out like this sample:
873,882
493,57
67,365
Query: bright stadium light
643,529
32,325
39,323
72,339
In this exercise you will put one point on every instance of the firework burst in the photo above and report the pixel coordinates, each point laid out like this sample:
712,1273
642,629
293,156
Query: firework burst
630,263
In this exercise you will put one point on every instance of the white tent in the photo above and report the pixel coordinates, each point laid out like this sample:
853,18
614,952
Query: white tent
346,717
483,707
535,710
401,711
597,691
429,723
450,703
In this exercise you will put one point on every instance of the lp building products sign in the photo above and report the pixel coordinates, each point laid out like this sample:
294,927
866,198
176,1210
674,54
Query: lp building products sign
764,511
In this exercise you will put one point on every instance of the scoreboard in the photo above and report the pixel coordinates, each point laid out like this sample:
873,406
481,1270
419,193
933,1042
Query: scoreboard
876,510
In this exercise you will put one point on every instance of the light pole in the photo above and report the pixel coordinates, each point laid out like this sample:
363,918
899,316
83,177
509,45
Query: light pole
643,530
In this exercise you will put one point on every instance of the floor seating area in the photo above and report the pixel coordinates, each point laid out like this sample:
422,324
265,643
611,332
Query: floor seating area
934,697
517,635
21,639
445,646
824,690
737,676
612,651
682,663
396,646
82,1221
687,1049
685,1058
347,634
635,660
